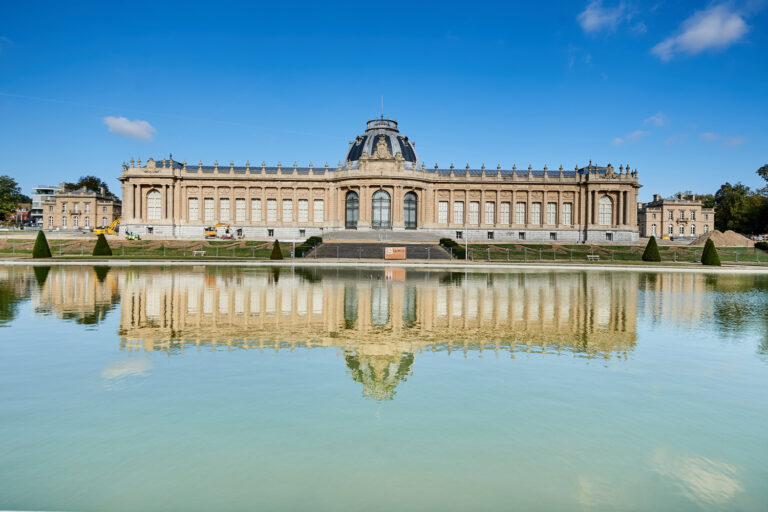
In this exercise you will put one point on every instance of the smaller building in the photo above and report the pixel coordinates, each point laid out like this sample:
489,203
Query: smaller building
79,209
674,218
39,195
20,214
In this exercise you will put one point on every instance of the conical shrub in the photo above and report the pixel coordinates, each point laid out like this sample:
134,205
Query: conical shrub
710,256
651,252
276,253
102,247
41,274
41,249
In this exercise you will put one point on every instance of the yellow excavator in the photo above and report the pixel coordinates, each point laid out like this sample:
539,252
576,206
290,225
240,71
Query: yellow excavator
212,231
108,230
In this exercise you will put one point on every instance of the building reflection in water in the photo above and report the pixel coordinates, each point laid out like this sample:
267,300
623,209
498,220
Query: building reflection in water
380,324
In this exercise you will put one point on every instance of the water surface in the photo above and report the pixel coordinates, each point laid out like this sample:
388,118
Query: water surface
220,388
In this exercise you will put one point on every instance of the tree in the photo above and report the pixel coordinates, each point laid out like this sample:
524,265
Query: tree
763,172
731,207
651,252
41,249
102,247
10,196
707,200
276,253
92,183
710,256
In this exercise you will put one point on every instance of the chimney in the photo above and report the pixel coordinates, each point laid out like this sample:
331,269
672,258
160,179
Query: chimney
656,197
102,191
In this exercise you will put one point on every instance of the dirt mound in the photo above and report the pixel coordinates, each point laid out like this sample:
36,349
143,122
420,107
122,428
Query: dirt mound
727,239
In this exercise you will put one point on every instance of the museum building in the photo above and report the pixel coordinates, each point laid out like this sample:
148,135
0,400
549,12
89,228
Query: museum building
381,185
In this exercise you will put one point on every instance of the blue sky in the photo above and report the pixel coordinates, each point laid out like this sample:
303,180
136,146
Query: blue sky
675,89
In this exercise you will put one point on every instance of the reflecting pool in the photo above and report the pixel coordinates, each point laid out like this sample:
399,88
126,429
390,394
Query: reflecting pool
234,388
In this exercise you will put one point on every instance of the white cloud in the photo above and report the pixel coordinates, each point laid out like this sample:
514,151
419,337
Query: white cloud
728,142
596,17
676,139
657,119
715,27
632,137
136,129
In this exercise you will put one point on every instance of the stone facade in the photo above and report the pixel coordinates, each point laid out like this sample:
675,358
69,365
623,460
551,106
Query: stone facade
381,190
79,209
675,218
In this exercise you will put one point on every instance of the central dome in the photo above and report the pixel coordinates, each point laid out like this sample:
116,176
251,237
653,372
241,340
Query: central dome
375,130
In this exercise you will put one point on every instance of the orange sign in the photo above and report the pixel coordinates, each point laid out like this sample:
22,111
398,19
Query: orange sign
394,253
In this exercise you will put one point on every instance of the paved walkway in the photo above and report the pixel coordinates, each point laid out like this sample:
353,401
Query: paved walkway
375,251
378,235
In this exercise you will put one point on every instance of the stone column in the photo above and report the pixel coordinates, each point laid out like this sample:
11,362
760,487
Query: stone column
137,204
127,203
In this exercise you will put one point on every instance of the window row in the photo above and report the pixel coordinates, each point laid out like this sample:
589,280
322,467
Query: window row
504,213
75,222
75,208
682,215
257,214
681,230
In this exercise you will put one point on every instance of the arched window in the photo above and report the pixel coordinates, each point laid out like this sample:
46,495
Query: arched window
381,210
671,229
693,230
50,222
104,221
87,222
682,230
706,228
352,210
410,209
653,229
605,211
153,205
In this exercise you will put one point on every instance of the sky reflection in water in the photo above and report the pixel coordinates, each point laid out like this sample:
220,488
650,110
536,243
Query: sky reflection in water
341,389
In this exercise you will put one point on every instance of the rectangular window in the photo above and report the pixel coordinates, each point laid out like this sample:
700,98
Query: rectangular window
50,222
153,205
104,210
553,236
208,209
287,210
693,230
490,213
653,216
64,222
270,232
63,207
88,222
303,210
104,221
442,212
682,215
671,215
535,213
224,209
693,215
671,229
75,221
682,229
521,235
459,234
256,210
567,214
194,208
520,213
302,232
551,213
504,214
706,216
77,207
240,210
458,212
271,210
87,207
490,235
319,210
609,237
50,209
474,212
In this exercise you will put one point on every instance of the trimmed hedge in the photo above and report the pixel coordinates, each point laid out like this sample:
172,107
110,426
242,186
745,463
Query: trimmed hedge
710,256
651,252
41,249
763,246
102,247
458,251
307,246
276,253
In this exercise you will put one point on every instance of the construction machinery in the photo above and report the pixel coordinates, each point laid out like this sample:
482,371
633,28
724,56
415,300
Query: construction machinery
112,229
129,235
213,231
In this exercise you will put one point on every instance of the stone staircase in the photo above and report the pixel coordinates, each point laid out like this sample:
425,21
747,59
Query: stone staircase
375,251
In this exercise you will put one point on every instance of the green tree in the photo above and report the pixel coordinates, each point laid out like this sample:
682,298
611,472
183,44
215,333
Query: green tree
707,200
651,252
763,172
276,253
41,249
731,207
709,256
102,247
92,183
10,196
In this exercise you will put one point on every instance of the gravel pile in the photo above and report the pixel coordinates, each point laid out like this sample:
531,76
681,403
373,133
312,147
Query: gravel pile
727,239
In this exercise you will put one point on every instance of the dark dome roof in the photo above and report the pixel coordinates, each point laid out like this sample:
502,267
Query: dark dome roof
375,130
